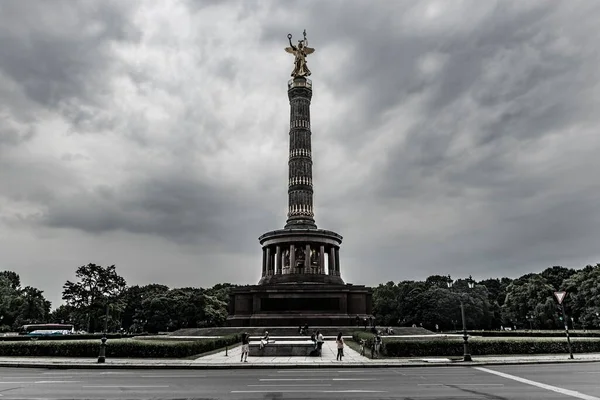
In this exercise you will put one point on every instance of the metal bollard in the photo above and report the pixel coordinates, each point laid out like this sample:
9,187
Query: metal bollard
226,350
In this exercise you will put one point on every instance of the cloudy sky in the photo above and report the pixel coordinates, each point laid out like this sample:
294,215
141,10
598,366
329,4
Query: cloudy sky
448,136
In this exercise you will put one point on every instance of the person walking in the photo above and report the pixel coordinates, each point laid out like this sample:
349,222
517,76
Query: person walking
245,347
340,347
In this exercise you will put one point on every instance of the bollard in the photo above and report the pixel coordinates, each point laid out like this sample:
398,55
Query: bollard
226,347
102,355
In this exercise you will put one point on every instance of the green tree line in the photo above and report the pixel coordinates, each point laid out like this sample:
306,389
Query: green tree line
525,302
99,297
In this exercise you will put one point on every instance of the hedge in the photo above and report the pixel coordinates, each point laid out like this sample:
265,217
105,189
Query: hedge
118,348
87,336
395,347
534,333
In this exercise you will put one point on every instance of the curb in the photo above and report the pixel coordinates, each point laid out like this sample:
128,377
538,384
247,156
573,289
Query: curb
283,366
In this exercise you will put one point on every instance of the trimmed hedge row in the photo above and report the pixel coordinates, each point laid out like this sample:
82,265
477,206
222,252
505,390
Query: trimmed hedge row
454,347
117,348
526,333
87,336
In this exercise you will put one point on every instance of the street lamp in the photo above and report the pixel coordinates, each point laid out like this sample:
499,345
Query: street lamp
530,319
470,283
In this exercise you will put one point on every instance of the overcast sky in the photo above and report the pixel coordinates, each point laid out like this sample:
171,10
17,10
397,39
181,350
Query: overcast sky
449,137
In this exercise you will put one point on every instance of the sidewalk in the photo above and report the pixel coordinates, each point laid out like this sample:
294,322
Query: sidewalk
232,360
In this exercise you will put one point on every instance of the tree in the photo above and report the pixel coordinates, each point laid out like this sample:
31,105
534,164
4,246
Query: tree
34,307
98,289
529,295
133,298
555,276
13,278
583,296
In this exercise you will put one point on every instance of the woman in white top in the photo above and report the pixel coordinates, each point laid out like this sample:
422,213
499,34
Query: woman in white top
340,346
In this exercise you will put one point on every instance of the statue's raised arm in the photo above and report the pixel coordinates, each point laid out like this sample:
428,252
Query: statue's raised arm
300,52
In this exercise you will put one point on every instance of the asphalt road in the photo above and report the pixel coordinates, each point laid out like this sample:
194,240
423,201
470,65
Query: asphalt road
547,382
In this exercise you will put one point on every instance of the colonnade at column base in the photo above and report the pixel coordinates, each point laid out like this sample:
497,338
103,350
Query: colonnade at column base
300,254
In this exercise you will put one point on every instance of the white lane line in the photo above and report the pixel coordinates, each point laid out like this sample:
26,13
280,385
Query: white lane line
126,386
33,377
460,384
556,389
355,379
318,379
15,383
57,381
173,376
292,385
309,391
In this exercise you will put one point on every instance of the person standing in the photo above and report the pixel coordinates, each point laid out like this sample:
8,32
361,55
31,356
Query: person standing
320,341
245,347
340,347
377,345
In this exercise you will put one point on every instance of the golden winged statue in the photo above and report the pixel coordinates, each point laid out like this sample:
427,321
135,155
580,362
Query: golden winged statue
300,52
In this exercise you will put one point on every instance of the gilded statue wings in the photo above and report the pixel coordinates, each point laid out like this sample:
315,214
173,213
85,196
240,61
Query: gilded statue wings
308,50
289,50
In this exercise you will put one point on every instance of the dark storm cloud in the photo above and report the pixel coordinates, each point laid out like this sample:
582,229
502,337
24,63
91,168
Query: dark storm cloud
57,51
447,138
175,206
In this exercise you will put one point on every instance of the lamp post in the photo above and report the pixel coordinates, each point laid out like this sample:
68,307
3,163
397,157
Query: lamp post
530,319
470,283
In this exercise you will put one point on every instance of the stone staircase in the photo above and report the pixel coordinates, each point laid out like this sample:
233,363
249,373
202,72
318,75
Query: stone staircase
291,331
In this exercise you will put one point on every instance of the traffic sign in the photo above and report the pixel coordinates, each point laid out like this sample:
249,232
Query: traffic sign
560,296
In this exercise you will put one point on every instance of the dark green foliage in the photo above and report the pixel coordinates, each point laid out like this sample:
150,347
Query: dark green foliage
525,302
548,333
117,348
25,338
19,306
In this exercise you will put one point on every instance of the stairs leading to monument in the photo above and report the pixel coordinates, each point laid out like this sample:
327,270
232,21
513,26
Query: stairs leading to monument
291,331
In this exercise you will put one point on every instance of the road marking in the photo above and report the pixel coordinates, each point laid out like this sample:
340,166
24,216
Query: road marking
318,379
57,381
16,383
126,386
292,385
173,376
556,389
309,391
460,384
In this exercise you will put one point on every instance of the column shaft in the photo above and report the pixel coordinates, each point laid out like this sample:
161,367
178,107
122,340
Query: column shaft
292,259
268,261
322,260
337,261
331,265
278,260
264,262
307,259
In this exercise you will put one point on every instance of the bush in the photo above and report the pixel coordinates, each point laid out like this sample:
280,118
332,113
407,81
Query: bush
86,336
394,347
117,348
534,333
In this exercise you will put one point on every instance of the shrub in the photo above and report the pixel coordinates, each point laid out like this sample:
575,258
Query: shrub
86,336
117,348
534,333
396,347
